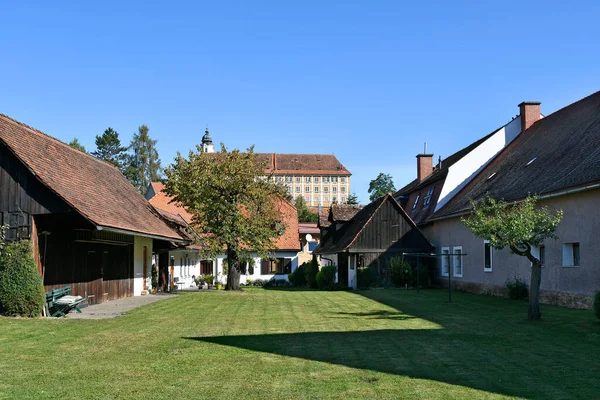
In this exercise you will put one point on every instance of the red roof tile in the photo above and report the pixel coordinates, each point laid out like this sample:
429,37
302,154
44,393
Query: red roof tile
94,188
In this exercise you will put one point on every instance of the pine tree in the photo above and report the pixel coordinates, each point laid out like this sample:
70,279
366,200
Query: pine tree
76,145
142,165
108,148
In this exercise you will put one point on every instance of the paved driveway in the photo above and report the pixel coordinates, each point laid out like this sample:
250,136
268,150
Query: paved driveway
115,308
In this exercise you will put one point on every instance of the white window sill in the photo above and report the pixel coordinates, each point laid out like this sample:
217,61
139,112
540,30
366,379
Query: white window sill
457,276
488,270
571,266
445,275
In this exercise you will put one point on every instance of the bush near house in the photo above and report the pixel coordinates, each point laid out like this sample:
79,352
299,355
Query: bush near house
21,286
517,288
326,277
366,278
597,304
311,271
298,277
400,272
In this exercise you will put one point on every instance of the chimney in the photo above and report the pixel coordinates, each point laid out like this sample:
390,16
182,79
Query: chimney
424,164
530,113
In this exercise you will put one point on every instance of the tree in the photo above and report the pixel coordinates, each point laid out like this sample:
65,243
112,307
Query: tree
381,186
108,148
520,227
234,207
76,145
352,199
304,214
142,165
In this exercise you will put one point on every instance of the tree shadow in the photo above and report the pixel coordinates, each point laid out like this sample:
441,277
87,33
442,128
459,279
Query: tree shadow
380,314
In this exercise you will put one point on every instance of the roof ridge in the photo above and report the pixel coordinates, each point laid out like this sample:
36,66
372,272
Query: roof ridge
37,131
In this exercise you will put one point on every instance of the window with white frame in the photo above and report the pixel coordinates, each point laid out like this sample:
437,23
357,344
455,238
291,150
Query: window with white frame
334,179
428,196
307,189
343,199
316,179
326,189
316,199
445,261
343,179
307,199
334,189
539,253
458,261
416,201
571,255
308,179
325,179
288,178
316,189
298,189
343,189
298,179
325,198
487,256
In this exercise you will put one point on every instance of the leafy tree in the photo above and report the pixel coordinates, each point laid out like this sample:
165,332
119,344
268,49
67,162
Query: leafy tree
304,214
381,186
76,145
352,199
142,165
520,227
108,148
234,207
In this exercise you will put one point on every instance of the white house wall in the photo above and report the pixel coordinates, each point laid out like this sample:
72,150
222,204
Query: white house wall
138,264
462,171
182,272
257,268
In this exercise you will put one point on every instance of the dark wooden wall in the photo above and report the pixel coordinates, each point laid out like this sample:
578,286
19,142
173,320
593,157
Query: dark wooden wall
388,230
97,265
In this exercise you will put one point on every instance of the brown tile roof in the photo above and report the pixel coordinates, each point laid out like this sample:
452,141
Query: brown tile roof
559,152
94,188
307,164
308,227
344,212
288,241
163,202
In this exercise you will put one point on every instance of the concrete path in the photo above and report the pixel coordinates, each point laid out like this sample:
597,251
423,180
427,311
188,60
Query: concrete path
116,308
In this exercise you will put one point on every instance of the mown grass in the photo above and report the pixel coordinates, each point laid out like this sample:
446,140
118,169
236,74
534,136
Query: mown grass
306,344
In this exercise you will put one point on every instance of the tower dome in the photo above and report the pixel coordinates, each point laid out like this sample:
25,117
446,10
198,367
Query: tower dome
207,144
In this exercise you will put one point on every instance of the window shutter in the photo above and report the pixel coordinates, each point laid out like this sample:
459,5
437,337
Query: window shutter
265,266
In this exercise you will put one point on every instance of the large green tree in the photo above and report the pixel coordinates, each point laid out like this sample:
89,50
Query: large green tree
304,214
76,145
235,208
142,164
108,148
520,227
381,186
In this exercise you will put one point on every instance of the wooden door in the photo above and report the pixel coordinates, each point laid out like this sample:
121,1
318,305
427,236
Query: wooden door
343,269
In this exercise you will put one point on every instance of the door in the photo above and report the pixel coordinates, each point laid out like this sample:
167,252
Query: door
144,287
352,271
343,269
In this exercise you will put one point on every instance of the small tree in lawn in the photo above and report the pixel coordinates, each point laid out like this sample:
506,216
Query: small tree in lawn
235,208
520,227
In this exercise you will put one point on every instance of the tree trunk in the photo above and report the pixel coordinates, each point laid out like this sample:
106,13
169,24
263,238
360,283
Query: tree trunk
533,312
233,273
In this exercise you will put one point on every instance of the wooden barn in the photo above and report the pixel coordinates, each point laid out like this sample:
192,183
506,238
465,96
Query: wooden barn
89,226
374,234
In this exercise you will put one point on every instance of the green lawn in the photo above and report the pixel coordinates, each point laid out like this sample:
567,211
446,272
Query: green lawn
307,344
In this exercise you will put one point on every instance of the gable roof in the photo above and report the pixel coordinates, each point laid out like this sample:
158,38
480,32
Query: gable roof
94,188
337,213
343,238
307,164
560,151
288,241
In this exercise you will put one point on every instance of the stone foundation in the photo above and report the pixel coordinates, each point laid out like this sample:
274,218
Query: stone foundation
571,300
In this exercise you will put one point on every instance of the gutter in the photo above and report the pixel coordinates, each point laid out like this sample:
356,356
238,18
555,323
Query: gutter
540,197
132,233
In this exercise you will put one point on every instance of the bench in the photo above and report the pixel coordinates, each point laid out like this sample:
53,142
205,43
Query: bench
60,301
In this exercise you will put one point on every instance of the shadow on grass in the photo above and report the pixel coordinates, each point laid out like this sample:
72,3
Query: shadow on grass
419,354
382,314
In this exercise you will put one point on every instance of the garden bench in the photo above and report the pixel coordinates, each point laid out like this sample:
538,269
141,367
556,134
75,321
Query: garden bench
60,301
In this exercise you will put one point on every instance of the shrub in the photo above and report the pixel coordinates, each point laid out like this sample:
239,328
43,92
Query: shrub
400,272
311,271
366,277
21,286
208,279
597,304
326,277
249,282
517,288
276,283
298,277
259,282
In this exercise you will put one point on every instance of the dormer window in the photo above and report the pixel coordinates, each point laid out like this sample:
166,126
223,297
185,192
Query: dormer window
428,195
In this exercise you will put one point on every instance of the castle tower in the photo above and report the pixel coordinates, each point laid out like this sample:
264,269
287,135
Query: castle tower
207,144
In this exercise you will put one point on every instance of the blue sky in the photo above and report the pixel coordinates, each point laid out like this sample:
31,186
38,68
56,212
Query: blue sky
367,81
